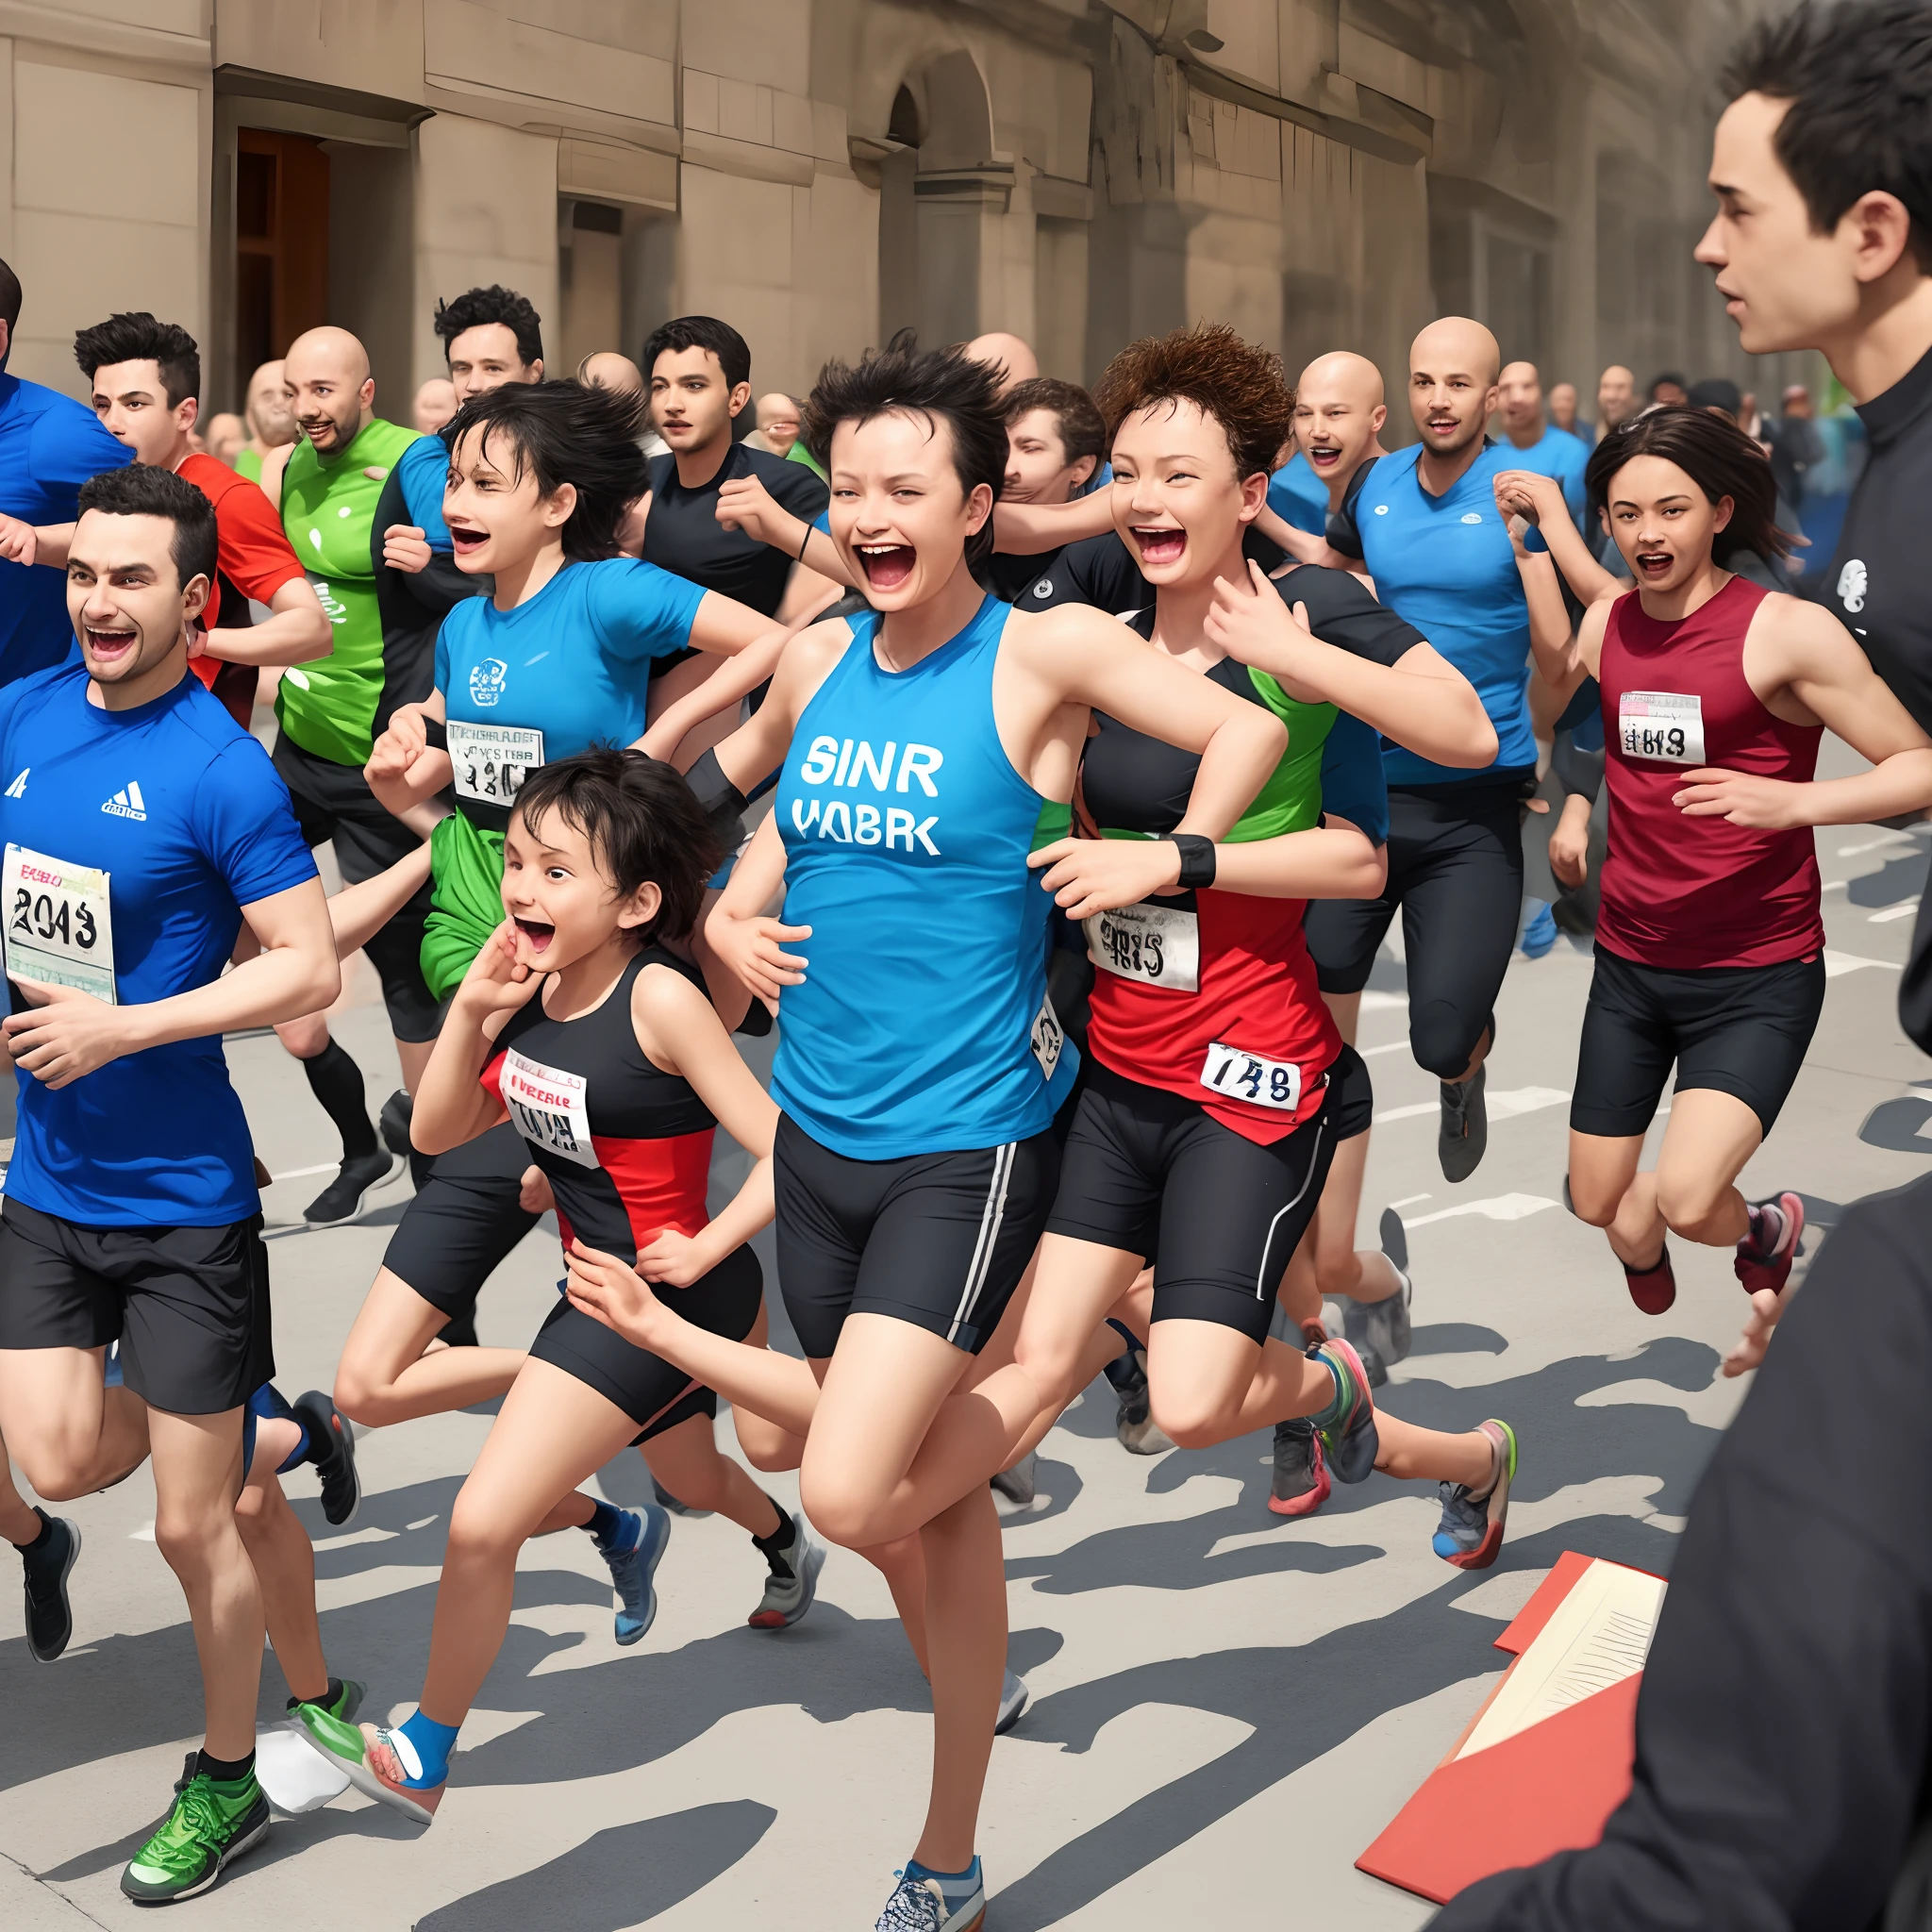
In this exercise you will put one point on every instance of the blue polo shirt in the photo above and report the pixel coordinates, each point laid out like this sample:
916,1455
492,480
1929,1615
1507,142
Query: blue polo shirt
182,810
1445,565
49,446
422,470
1299,497
1556,454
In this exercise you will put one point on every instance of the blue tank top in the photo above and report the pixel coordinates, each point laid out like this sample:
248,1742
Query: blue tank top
922,1024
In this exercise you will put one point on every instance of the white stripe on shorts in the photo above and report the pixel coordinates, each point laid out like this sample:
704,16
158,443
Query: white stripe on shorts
990,1221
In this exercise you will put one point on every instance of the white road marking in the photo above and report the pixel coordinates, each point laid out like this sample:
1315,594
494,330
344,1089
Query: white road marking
1500,1208
1502,1106
1409,1201
1904,909
1837,964
1872,844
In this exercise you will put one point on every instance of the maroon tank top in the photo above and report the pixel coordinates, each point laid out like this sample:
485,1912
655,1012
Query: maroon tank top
1685,893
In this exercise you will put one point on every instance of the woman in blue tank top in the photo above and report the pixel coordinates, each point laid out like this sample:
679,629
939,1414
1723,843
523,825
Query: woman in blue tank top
926,748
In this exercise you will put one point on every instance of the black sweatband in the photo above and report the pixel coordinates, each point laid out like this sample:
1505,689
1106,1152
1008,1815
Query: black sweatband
1197,860
436,734
720,800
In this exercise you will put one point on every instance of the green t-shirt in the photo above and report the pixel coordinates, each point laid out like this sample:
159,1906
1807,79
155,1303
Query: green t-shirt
328,707
247,463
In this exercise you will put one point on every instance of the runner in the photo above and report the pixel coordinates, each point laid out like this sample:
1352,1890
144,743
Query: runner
489,337
598,1044
1715,693
131,1209
271,421
1424,522
1531,442
914,1164
555,661
1820,168
1055,442
49,446
1339,410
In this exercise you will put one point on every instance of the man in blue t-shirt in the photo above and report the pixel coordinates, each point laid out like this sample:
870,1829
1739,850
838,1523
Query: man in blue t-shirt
141,829
1423,523
49,446
1532,442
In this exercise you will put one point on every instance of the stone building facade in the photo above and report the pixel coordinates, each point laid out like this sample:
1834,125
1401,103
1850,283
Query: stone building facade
1320,173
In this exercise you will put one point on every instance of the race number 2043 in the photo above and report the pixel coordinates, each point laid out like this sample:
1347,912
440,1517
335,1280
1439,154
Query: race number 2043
58,926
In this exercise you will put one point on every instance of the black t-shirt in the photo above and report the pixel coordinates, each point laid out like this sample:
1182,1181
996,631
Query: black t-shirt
1101,571
684,534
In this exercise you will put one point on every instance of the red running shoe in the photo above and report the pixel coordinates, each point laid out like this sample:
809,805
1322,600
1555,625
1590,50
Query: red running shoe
1301,1483
1653,1289
1759,1267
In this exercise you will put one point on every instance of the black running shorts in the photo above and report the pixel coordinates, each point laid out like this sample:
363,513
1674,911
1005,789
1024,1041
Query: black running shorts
188,1306
463,1222
937,1240
1153,1173
1740,1029
334,803
649,1389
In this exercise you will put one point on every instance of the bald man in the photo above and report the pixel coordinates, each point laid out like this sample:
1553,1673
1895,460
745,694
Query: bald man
1616,398
1008,354
1539,446
435,404
361,501
1425,523
606,369
270,425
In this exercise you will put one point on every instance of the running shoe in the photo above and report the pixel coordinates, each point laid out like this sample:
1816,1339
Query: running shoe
1350,1441
1471,1532
633,1555
383,1766
1394,1239
332,1449
918,1905
1654,1289
1014,1698
1464,1135
1382,1327
211,1825
1018,1485
1766,1254
343,1706
1139,1433
392,1123
1301,1483
355,1181
49,1620
787,1598
1538,931
328,1727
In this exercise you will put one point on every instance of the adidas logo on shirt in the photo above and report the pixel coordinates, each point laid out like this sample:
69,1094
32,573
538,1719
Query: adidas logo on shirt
18,789
127,804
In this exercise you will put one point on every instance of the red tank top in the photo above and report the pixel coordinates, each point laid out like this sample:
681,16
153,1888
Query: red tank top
1686,893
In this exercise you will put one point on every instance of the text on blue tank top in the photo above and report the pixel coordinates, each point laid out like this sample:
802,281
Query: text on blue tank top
1445,565
922,1024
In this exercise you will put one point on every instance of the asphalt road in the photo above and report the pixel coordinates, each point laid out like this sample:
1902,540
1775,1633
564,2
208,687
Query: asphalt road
1228,1707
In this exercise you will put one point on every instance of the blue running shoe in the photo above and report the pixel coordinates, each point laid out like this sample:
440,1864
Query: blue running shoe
634,1554
1471,1532
924,1905
1539,933
1350,1441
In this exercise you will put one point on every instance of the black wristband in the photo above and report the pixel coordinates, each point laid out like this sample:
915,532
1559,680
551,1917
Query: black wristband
721,801
436,734
1197,860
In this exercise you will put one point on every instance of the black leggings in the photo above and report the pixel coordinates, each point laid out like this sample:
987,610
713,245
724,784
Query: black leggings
1456,870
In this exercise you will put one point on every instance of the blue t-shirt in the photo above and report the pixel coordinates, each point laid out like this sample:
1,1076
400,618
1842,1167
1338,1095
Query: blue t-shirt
422,469
1557,453
1353,784
182,810
1446,565
1298,496
572,663
49,446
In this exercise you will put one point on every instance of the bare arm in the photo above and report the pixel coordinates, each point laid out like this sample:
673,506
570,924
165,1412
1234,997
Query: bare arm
359,912
758,745
1329,861
744,503
67,1034
739,933
728,684
297,631
1024,529
725,626
451,1106
1422,701
1538,500
405,772
1301,546
1551,644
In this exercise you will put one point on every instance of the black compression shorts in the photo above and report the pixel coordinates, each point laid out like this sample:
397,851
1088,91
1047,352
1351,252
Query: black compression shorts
333,802
1456,870
463,1222
189,1306
1153,1173
1743,1031
649,1389
937,1240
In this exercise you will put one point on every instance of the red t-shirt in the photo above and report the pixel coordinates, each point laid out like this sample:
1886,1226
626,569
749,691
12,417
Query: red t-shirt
255,559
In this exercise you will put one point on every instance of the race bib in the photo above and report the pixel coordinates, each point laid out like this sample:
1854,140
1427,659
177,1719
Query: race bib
550,1109
1158,945
59,928
1049,1038
1661,724
1237,1075
491,761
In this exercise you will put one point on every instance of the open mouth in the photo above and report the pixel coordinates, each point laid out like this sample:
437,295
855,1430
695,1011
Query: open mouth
885,565
1443,425
1159,544
110,644
466,540
1322,457
535,934
1653,564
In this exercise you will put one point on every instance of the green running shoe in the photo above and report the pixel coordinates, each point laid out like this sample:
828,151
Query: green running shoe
211,1825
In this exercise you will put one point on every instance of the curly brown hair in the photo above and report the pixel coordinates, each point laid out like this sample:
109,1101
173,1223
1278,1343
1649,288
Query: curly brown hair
1242,386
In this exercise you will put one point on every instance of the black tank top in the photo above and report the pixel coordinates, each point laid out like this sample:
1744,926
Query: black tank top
626,1147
